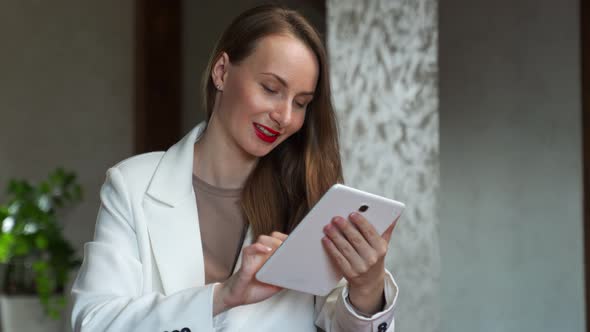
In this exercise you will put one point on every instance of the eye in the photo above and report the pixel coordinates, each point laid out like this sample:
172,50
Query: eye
267,89
300,104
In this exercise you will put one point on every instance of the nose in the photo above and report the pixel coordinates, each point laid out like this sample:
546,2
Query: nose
282,114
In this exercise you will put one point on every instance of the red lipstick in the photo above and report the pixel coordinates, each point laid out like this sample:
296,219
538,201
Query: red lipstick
264,136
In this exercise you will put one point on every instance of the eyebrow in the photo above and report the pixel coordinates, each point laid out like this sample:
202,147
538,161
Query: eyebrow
284,82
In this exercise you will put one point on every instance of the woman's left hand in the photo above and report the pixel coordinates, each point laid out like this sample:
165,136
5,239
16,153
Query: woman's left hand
359,252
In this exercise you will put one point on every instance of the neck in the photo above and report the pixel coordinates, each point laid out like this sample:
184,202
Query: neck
219,161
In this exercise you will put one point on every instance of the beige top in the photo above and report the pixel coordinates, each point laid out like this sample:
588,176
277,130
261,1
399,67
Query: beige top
222,228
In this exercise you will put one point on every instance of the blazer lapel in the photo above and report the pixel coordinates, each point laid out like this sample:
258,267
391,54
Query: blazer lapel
172,218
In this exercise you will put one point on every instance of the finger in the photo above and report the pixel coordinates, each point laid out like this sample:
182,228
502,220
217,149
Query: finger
256,249
357,239
377,244
254,256
345,248
270,287
279,235
389,231
364,226
269,241
337,258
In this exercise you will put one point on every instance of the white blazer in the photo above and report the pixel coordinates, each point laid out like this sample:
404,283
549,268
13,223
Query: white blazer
144,269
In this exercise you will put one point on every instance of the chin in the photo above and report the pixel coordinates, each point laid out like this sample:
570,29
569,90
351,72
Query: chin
259,152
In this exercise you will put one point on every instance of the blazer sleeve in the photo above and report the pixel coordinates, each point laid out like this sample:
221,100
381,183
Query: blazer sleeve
336,314
107,294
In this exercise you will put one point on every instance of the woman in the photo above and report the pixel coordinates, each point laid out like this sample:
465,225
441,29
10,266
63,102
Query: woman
180,235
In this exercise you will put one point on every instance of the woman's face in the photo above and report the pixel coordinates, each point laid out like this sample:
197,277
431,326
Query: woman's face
264,97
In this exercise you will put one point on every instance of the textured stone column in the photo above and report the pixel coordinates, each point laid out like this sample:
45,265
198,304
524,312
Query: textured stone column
384,74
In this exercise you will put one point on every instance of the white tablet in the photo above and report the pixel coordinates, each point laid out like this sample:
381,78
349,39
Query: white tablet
301,262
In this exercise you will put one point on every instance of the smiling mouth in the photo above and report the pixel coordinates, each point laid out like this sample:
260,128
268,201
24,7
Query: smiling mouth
265,134
265,130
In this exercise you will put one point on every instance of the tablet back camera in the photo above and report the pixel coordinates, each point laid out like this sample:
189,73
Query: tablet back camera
363,208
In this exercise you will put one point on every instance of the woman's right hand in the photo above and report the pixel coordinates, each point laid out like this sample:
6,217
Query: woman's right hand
242,287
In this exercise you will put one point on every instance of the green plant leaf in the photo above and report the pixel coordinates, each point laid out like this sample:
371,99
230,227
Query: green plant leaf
41,241
3,212
6,244
21,248
36,235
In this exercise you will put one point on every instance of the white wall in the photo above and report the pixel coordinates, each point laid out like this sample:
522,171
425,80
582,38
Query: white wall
66,86
511,176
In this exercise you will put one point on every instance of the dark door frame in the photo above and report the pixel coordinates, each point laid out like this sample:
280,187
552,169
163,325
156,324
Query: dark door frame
158,74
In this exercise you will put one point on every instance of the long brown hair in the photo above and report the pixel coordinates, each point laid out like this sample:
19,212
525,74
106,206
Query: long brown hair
289,180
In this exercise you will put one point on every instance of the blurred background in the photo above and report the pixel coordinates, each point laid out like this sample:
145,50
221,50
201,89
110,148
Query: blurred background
471,112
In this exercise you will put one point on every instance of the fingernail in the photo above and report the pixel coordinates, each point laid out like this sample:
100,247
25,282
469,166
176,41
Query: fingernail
354,215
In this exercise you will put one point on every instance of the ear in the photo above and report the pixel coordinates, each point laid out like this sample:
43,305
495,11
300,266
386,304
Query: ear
219,70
